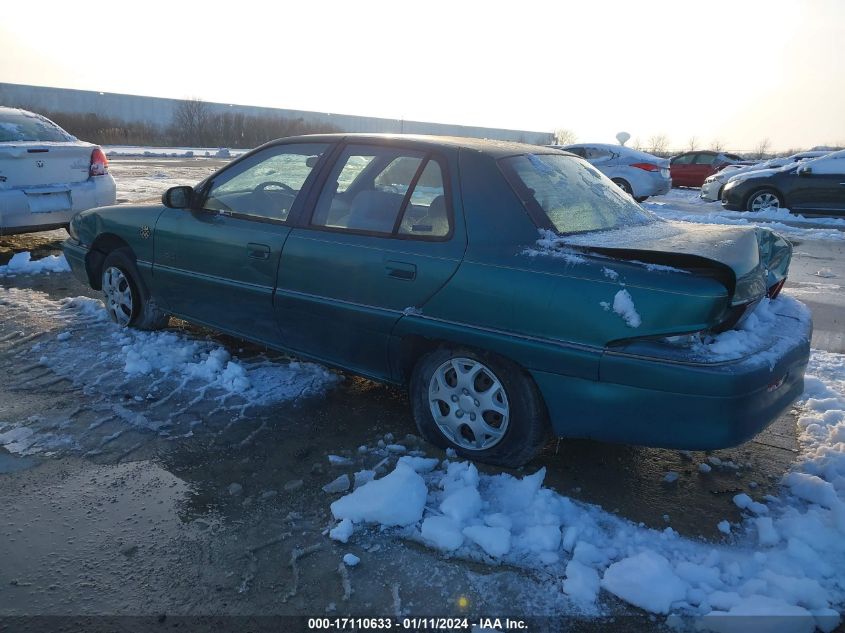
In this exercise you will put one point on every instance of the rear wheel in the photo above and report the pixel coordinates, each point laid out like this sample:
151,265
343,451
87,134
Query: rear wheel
764,199
484,407
127,301
624,186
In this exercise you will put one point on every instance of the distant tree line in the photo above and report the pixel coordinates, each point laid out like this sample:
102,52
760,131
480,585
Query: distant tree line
194,124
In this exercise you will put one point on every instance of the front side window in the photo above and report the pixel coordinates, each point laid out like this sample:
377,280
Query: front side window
683,159
26,126
266,184
385,191
569,195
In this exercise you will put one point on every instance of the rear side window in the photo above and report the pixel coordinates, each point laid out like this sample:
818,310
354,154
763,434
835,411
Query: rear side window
24,127
704,159
385,191
683,159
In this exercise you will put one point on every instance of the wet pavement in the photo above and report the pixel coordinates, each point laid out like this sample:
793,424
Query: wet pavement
207,507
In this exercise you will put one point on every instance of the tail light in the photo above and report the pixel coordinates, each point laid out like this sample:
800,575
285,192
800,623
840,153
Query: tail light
646,166
99,163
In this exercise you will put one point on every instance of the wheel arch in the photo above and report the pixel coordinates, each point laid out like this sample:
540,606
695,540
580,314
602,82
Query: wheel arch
104,244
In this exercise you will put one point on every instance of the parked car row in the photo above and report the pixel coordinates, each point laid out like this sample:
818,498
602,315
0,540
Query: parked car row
816,185
711,190
46,174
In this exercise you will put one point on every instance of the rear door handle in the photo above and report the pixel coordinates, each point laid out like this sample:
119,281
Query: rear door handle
401,270
258,251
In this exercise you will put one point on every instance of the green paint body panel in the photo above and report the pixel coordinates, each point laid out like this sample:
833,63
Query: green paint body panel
358,301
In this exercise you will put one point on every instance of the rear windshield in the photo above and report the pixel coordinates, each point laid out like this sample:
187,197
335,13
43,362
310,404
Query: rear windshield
30,127
568,195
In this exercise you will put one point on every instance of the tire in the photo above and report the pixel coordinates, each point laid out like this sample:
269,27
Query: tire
641,198
624,186
760,196
510,435
127,301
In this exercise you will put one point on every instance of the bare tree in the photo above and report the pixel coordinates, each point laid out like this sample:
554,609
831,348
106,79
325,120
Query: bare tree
564,136
638,144
716,145
762,148
190,122
692,144
658,144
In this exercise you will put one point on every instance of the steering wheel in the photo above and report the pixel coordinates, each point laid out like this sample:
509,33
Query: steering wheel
262,188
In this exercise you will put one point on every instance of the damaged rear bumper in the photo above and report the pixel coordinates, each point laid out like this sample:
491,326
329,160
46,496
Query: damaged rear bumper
682,405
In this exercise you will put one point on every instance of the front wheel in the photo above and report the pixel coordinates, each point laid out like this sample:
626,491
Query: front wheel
485,408
764,200
127,302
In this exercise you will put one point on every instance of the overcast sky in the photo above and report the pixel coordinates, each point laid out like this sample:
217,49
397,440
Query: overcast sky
736,71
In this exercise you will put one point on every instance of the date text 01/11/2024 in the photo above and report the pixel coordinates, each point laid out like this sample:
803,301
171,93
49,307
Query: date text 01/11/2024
416,624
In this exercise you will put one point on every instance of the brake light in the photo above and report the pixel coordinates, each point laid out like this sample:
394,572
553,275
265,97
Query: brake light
99,163
646,166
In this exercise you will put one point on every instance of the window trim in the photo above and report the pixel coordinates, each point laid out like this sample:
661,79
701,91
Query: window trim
203,189
427,155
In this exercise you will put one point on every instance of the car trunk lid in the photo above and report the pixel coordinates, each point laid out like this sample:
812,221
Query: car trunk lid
25,165
748,260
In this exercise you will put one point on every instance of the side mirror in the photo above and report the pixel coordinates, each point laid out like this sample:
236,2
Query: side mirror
805,171
178,197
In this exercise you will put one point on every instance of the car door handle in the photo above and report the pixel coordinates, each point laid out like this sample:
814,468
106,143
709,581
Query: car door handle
258,251
401,270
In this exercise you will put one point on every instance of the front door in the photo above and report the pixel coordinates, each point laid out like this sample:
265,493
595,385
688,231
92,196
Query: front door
217,263
381,241
821,188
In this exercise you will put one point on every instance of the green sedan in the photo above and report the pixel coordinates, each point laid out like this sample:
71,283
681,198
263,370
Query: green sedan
514,290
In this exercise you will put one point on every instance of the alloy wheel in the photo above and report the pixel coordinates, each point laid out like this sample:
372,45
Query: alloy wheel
118,295
469,404
764,200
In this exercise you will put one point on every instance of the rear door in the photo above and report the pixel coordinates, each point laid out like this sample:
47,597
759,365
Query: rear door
701,167
382,239
680,168
217,264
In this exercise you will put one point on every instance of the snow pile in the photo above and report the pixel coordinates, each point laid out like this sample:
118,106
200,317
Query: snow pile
23,264
787,557
774,326
91,351
550,244
623,305
172,152
685,206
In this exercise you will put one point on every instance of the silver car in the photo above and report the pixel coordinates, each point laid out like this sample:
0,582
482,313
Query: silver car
638,174
47,175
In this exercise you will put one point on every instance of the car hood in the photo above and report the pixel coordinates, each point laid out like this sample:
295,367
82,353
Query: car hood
748,260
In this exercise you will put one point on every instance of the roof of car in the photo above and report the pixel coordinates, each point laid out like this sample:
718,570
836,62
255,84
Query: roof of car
494,148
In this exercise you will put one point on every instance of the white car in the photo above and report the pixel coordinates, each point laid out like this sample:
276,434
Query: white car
711,190
47,175
637,173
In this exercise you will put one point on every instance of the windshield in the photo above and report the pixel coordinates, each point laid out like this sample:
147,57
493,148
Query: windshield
568,195
30,127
